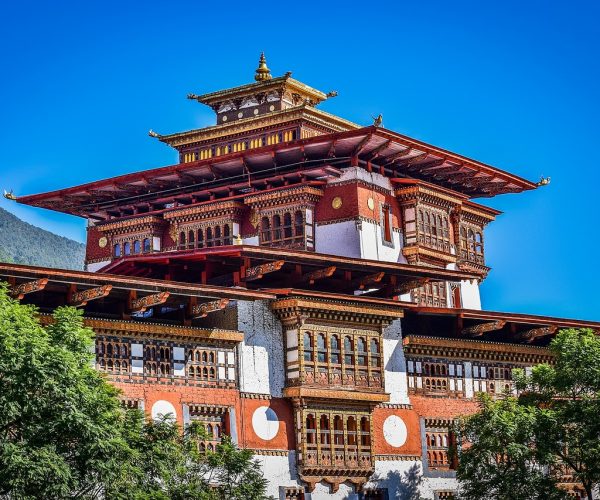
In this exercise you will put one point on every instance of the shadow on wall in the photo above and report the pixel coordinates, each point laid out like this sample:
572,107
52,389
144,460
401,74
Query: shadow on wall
401,485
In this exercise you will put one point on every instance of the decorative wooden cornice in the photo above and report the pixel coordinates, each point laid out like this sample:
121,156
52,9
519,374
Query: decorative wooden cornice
355,395
203,310
431,195
300,194
478,330
371,279
335,477
205,409
143,303
413,254
467,349
80,299
271,453
257,272
19,291
143,329
296,311
136,224
208,210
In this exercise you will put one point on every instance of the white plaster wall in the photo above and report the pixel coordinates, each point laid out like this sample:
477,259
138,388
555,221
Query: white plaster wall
341,238
394,364
469,294
96,266
404,479
468,379
322,491
261,353
357,173
279,471
372,246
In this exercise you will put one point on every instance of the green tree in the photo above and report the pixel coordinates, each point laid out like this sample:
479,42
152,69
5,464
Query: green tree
60,420
64,434
519,447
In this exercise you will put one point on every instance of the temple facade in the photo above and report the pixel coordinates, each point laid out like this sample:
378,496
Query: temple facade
303,284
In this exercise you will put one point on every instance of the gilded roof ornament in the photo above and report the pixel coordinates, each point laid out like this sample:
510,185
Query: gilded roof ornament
544,181
9,195
152,133
263,73
378,121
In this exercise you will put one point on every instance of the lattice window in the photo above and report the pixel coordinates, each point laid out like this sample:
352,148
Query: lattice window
157,360
441,444
283,229
493,379
431,295
471,243
435,377
213,419
112,355
335,439
293,493
331,357
212,366
433,229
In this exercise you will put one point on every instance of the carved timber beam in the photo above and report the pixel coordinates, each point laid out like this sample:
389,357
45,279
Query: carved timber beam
203,310
257,272
361,145
530,335
319,274
478,330
411,161
396,156
409,286
80,299
371,279
19,291
143,303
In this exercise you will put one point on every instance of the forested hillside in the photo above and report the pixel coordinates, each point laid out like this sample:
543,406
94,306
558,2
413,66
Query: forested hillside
23,243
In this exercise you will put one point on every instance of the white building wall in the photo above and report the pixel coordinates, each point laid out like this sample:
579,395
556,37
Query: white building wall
394,364
96,266
469,294
372,246
358,173
341,238
253,240
280,471
261,354
322,491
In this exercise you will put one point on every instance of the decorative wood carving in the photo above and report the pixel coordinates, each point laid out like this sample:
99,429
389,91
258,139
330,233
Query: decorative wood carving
257,272
19,291
371,279
478,330
319,274
530,335
408,286
141,304
203,310
80,299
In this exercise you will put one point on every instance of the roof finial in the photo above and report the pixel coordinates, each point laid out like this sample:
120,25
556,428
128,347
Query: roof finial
262,72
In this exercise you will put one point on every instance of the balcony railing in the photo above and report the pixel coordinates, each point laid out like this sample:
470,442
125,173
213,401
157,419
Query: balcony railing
360,378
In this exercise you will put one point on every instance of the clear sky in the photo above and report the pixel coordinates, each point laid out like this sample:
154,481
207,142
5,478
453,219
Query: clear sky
513,84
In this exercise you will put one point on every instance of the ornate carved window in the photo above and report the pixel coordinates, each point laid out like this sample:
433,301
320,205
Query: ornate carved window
211,366
331,356
213,420
117,250
127,248
137,246
433,377
335,439
147,245
431,295
433,229
112,355
471,244
493,379
440,441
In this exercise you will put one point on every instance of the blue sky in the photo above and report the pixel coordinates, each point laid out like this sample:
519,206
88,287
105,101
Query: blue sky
513,84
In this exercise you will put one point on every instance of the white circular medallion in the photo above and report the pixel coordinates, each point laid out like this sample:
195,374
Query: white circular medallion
256,111
240,114
224,118
265,423
271,108
163,408
394,431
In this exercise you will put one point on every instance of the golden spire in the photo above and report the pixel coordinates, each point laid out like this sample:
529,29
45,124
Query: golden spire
262,72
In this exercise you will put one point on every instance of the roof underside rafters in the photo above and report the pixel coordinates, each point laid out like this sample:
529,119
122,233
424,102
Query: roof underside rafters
285,164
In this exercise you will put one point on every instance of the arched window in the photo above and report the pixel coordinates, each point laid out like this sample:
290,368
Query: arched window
181,240
324,429
276,228
374,352
321,348
147,245
335,349
226,235
311,429
338,429
200,238
351,430
137,246
287,226
362,351
348,351
127,248
299,225
211,358
265,230
218,241
204,357
365,431
109,350
212,374
205,373
117,250
209,237
308,347
191,239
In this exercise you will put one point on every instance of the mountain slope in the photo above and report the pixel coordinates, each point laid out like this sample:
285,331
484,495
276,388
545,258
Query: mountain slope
23,243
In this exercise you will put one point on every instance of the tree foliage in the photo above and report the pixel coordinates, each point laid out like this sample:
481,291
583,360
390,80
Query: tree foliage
64,434
521,447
